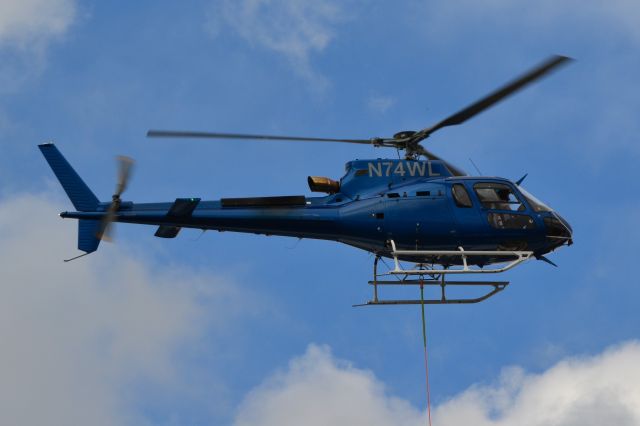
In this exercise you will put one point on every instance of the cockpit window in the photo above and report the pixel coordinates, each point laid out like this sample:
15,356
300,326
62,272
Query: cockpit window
460,195
497,196
536,204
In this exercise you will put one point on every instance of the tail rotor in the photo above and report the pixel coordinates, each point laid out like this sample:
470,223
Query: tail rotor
125,167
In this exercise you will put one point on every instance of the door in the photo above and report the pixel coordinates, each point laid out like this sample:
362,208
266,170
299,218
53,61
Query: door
420,218
470,225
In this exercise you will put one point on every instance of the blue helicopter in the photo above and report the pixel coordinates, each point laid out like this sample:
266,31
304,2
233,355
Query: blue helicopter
426,212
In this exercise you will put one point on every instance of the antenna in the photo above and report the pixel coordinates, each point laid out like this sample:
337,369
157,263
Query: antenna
77,257
476,167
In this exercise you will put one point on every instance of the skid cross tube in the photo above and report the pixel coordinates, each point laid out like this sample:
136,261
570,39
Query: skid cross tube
516,256
434,274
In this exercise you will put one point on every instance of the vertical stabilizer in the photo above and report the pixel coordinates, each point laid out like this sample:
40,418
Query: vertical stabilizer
87,231
81,196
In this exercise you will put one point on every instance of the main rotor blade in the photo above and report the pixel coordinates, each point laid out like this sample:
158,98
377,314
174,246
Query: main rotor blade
495,97
125,164
207,135
431,156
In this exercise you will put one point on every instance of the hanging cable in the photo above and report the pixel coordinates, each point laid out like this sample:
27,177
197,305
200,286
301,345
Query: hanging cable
426,358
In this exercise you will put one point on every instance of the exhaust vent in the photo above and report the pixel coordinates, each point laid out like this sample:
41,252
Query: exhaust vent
323,184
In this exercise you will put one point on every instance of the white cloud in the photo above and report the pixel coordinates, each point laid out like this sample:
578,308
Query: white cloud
295,29
380,104
77,337
603,389
317,389
27,27
28,22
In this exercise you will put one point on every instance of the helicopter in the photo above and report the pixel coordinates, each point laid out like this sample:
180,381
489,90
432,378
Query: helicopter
421,209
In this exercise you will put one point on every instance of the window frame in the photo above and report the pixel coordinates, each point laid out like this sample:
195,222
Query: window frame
459,203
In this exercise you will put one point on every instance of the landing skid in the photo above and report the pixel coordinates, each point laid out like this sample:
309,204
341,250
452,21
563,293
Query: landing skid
434,274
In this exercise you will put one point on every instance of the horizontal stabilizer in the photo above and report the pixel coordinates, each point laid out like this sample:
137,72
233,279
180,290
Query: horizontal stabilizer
181,208
167,231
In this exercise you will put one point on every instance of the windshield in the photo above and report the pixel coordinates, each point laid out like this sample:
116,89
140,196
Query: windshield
536,204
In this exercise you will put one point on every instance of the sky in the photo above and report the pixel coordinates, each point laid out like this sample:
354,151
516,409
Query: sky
224,328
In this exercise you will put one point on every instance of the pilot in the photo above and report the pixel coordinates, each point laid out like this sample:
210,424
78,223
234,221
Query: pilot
503,196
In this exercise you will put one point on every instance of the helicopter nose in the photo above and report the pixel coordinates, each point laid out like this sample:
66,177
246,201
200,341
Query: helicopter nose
565,223
557,228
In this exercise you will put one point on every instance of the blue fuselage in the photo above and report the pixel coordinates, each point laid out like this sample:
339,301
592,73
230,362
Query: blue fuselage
417,204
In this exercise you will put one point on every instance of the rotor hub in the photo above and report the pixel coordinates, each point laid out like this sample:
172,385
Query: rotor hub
405,134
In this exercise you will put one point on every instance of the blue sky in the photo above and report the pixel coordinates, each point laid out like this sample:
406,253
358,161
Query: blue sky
226,328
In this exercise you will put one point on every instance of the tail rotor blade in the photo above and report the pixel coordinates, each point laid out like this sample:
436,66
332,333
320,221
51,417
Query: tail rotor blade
125,166
105,233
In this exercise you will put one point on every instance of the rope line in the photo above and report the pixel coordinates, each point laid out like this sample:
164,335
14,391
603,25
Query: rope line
424,341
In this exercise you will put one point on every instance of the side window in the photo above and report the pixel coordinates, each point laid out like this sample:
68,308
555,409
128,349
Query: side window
460,195
431,190
497,196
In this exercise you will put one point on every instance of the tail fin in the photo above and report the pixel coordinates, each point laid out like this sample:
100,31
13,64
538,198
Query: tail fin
87,231
79,193
81,196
